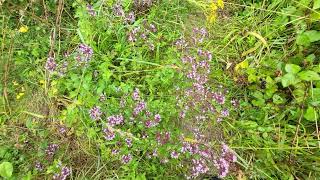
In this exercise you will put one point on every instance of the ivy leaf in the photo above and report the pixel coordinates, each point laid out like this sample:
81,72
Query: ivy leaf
309,76
316,4
6,169
292,68
289,79
311,114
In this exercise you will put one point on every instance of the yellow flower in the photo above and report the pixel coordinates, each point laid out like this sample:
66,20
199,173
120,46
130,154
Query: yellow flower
23,29
15,83
220,4
20,95
213,7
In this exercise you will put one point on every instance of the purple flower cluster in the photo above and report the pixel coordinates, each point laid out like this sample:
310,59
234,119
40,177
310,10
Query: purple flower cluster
39,166
136,95
142,5
90,10
219,98
140,106
130,18
143,32
95,113
51,149
115,120
63,69
152,123
51,64
102,97
65,172
163,138
118,10
128,142
224,162
199,34
225,113
62,130
85,53
174,155
109,134
199,166
126,158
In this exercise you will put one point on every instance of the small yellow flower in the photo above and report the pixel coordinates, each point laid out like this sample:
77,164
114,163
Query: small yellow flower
220,4
20,95
15,83
213,8
23,29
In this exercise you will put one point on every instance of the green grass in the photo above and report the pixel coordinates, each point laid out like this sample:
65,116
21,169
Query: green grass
265,55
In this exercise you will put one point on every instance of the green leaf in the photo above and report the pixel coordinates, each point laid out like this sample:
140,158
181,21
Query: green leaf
6,169
316,4
289,79
311,114
309,76
292,68
308,37
303,40
277,99
313,35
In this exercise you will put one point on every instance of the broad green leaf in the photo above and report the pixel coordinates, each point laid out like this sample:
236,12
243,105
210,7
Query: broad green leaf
277,99
310,114
316,4
6,169
292,68
303,40
299,95
313,35
289,79
310,58
306,38
309,76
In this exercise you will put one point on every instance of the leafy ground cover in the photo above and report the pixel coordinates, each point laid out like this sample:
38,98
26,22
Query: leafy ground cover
179,89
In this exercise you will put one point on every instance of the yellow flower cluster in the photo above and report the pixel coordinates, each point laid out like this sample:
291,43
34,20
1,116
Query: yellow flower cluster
213,7
21,92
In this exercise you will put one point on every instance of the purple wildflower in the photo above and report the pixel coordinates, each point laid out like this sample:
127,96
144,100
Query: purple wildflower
235,102
39,166
153,28
86,53
199,167
225,113
51,149
174,155
139,107
65,172
62,130
118,10
109,134
223,167
90,10
51,64
126,158
219,97
129,142
102,97
148,124
115,120
136,94
115,151
95,113
130,18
